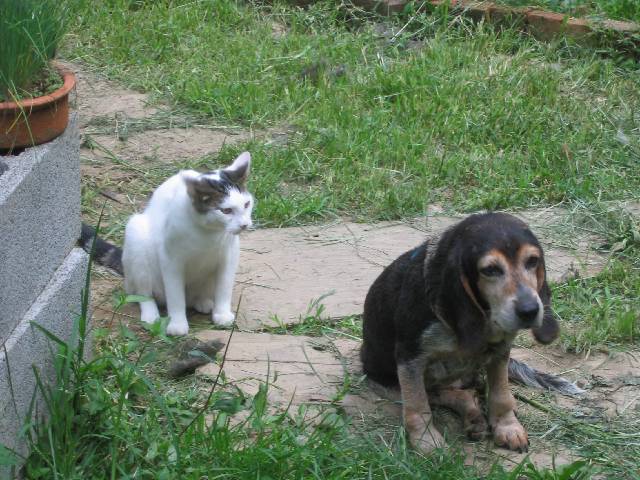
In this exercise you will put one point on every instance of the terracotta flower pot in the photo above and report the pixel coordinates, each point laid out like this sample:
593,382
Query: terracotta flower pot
37,120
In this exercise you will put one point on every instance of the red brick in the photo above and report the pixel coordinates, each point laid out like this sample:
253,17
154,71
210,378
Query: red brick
384,7
500,14
543,25
478,10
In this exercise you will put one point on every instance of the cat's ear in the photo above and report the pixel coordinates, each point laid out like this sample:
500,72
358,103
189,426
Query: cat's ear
238,171
192,179
197,184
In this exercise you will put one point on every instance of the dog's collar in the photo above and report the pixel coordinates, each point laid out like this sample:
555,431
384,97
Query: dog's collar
430,246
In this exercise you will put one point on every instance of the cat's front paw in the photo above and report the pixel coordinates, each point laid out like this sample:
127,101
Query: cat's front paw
149,312
223,318
149,317
178,327
203,306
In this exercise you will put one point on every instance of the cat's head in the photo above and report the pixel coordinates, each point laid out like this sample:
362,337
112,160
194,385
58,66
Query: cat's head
220,198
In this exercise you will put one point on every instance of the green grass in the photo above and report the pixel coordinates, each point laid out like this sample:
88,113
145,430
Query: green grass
30,32
601,312
610,443
475,119
616,9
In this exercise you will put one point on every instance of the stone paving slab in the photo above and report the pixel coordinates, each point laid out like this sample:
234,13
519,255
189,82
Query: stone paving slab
299,369
284,271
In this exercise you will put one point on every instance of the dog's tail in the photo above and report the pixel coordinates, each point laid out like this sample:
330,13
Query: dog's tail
106,254
524,374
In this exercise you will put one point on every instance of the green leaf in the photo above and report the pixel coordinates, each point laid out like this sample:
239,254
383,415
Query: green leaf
136,299
7,457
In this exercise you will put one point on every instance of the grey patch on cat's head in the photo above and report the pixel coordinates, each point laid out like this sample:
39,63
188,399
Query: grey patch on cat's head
3,168
238,172
208,190
205,192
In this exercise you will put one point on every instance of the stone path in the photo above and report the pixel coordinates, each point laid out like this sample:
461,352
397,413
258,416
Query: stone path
299,369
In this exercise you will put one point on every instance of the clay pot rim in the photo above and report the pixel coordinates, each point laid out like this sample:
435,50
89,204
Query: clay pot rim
36,103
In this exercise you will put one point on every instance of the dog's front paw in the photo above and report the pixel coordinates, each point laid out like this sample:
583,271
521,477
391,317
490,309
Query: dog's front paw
427,441
423,435
475,426
223,318
203,306
178,326
509,433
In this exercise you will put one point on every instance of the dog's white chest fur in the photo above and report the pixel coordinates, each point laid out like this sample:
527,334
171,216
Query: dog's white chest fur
445,363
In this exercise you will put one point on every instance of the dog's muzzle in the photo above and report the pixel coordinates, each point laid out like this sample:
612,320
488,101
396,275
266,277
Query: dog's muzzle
527,307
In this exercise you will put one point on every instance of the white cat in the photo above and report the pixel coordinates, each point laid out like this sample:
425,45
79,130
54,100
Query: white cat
183,249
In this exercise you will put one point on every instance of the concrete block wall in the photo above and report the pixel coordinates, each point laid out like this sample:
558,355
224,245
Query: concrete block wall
39,221
26,347
42,272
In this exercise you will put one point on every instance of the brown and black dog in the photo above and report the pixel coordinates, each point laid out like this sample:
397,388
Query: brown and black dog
443,313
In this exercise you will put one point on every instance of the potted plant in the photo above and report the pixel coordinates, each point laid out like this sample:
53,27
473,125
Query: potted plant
34,90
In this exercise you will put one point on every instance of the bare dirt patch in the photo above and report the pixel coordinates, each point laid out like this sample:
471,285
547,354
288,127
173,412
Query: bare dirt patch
133,127
99,98
167,145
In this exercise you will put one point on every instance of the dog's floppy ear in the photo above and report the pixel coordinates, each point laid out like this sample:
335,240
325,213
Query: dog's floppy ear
459,305
549,329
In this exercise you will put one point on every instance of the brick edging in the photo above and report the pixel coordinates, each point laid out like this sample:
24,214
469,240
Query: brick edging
539,23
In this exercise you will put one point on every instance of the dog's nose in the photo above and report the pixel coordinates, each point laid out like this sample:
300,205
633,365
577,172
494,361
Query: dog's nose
527,306
527,311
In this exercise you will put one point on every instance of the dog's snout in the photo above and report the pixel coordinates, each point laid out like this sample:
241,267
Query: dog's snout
527,306
528,311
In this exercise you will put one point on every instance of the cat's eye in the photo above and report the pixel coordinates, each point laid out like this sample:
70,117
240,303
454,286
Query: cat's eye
246,205
226,211
531,263
491,271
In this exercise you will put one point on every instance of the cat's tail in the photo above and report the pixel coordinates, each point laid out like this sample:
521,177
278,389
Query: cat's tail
522,373
106,254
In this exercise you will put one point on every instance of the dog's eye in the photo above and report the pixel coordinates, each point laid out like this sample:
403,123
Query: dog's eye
491,271
246,205
531,263
226,211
